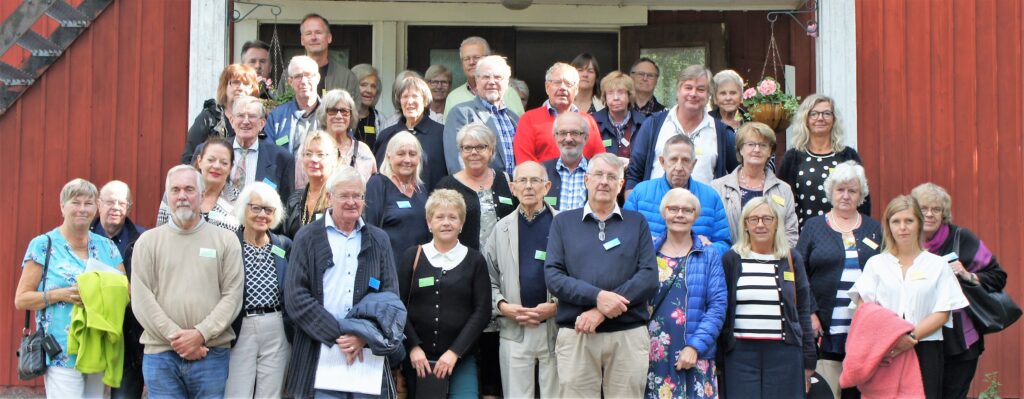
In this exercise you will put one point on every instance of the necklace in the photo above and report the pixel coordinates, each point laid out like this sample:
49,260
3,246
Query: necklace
833,221
482,182
307,214
406,189
745,181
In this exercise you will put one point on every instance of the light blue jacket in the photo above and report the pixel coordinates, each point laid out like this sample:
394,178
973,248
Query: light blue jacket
711,223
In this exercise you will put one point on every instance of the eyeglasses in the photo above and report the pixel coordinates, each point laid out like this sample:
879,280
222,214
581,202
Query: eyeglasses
490,78
304,76
112,203
755,220
931,211
533,181
685,210
562,82
644,75
236,83
252,117
339,111
258,209
439,83
346,197
754,144
469,58
604,176
315,155
574,133
822,114
475,148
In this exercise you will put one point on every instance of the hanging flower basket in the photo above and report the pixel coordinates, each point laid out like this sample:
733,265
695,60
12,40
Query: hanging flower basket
767,104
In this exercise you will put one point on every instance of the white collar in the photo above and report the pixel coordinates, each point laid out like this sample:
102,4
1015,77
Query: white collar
588,211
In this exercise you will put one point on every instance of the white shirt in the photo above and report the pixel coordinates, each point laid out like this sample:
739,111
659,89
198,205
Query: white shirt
445,260
929,287
251,159
705,141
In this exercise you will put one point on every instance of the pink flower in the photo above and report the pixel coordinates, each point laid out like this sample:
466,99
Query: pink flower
679,316
767,87
751,92
657,351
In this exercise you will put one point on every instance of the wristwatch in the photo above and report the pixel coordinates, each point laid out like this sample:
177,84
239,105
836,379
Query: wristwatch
911,334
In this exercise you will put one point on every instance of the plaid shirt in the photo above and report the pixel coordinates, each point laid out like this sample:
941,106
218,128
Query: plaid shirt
506,132
574,192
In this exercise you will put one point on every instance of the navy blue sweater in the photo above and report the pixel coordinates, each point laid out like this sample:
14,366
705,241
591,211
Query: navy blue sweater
533,236
579,266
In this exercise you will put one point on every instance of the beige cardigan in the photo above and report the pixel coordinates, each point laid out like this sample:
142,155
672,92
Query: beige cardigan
728,187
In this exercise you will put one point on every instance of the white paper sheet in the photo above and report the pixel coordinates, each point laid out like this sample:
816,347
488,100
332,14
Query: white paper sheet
333,373
93,265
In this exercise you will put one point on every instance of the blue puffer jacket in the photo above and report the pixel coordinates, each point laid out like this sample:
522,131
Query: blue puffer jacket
712,222
706,296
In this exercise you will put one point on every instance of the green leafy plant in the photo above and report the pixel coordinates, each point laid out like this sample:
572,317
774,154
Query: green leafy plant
768,91
992,392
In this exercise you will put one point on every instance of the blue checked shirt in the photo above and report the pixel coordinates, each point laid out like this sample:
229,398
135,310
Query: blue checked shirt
506,133
574,192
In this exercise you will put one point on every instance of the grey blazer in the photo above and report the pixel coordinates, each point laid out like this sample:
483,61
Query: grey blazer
728,187
465,113
502,255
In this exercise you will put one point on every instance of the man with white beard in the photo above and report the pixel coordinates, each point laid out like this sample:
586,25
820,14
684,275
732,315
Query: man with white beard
186,290
492,76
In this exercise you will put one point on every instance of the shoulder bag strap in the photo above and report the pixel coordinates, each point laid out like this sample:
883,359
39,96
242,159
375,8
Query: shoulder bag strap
412,276
663,293
46,265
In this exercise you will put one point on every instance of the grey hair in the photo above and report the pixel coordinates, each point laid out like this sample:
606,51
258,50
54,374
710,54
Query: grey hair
267,194
724,77
781,244
610,159
301,63
363,70
681,139
435,70
397,141
844,173
520,86
475,40
568,71
411,80
200,184
479,132
117,183
498,61
802,132
679,193
931,191
571,115
241,102
693,72
77,188
345,174
332,99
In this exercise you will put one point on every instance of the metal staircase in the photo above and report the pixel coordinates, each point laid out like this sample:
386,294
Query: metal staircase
44,51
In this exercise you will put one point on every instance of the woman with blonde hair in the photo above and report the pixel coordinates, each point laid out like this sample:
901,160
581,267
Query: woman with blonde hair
396,197
319,159
915,284
767,329
817,148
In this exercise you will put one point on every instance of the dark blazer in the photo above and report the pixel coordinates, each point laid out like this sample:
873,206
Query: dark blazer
643,156
275,165
823,250
282,266
431,137
796,307
311,256
463,114
609,137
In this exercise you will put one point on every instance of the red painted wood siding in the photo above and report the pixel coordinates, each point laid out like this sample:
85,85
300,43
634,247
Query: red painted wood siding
112,107
939,99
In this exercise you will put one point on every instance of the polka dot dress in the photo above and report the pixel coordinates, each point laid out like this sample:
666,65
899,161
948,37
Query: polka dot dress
812,170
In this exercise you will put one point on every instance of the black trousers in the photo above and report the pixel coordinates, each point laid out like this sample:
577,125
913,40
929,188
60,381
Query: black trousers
958,371
931,359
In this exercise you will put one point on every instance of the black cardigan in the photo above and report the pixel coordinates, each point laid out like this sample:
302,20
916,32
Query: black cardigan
450,311
790,165
281,264
823,250
311,256
797,316
500,191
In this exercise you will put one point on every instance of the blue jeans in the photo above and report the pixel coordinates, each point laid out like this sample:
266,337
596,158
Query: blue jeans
169,376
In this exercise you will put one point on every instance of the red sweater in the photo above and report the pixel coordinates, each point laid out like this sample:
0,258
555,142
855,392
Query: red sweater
535,141
872,334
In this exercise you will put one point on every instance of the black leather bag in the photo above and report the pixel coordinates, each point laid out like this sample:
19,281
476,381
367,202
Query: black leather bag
991,311
33,349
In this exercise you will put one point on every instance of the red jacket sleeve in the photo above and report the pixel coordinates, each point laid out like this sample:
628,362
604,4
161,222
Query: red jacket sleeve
594,145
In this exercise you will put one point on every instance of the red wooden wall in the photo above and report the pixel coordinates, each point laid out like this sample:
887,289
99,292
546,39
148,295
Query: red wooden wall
939,99
112,107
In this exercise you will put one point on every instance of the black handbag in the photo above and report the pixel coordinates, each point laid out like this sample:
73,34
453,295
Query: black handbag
991,312
33,349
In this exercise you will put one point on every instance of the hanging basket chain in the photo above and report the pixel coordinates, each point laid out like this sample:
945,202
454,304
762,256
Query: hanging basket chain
772,55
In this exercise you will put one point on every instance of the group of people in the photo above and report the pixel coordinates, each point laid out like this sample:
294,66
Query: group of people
599,244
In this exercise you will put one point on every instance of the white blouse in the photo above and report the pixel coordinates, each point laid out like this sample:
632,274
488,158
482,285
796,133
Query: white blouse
929,287
445,260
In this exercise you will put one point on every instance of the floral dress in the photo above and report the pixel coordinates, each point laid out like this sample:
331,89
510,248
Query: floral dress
668,333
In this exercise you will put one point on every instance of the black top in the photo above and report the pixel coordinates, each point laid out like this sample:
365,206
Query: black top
403,218
504,204
366,128
210,122
295,216
431,137
810,199
447,309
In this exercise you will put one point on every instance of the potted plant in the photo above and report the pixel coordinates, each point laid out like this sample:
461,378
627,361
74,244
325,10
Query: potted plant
767,104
